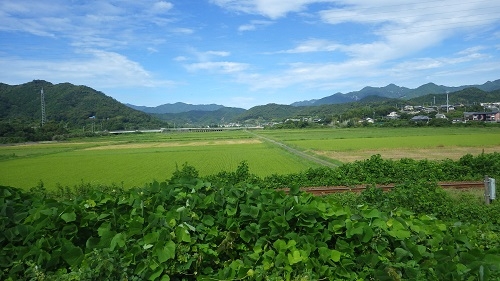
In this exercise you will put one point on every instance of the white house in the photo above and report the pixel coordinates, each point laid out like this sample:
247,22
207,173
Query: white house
393,115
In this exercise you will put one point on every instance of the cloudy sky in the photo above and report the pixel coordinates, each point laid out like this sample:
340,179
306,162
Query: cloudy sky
244,53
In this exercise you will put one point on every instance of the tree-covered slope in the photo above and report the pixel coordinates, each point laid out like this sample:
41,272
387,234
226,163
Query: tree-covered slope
65,102
270,111
202,118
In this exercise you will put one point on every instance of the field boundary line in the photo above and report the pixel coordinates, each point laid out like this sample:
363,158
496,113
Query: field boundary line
296,151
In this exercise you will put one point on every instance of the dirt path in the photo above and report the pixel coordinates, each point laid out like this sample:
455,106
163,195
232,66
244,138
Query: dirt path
295,151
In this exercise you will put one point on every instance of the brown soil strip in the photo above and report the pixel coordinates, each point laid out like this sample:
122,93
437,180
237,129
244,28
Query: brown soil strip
436,153
173,144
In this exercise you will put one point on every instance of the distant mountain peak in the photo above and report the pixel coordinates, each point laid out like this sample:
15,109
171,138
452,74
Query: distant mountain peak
394,91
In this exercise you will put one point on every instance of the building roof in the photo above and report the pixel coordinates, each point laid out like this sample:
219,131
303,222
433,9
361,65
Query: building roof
421,118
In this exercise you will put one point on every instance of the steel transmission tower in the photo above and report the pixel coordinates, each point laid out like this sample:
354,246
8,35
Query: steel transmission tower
42,98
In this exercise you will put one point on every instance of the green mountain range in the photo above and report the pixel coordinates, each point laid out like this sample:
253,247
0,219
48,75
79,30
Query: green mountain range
177,107
79,106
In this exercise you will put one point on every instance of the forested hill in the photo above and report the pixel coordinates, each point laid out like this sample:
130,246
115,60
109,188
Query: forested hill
71,104
178,107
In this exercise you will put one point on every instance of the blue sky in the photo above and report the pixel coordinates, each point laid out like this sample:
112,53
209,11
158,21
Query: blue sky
243,53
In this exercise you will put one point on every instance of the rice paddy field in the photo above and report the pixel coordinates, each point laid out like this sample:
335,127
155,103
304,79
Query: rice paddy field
347,145
136,159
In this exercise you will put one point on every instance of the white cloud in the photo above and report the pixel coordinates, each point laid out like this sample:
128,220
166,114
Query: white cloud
152,50
180,58
398,28
247,27
92,24
92,67
217,53
270,8
183,30
253,25
161,6
314,45
218,66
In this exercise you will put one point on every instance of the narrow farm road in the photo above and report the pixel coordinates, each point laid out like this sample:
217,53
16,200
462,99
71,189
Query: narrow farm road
295,151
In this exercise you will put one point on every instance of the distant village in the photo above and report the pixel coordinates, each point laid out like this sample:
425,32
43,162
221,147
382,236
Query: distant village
491,113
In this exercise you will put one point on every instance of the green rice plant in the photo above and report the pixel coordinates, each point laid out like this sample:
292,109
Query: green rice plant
399,142
136,166
355,133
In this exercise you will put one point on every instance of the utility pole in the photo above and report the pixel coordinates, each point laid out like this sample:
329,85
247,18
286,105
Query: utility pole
447,104
42,98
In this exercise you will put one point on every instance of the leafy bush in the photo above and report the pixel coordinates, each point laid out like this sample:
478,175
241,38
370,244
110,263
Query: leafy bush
189,229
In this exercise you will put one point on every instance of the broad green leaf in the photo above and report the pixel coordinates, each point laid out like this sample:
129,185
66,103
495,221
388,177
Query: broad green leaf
151,237
246,235
324,253
400,234
401,253
280,259
280,245
380,223
353,228
160,209
208,220
69,217
102,216
118,240
104,229
374,213
156,274
71,254
335,255
231,211
294,257
441,226
182,234
367,234
492,259
190,226
166,252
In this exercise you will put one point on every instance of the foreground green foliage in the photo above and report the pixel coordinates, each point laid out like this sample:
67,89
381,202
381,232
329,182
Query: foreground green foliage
189,229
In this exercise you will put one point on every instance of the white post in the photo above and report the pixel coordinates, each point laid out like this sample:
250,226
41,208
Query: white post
487,199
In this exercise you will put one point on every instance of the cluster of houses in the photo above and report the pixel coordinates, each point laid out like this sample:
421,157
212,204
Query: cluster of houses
491,113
